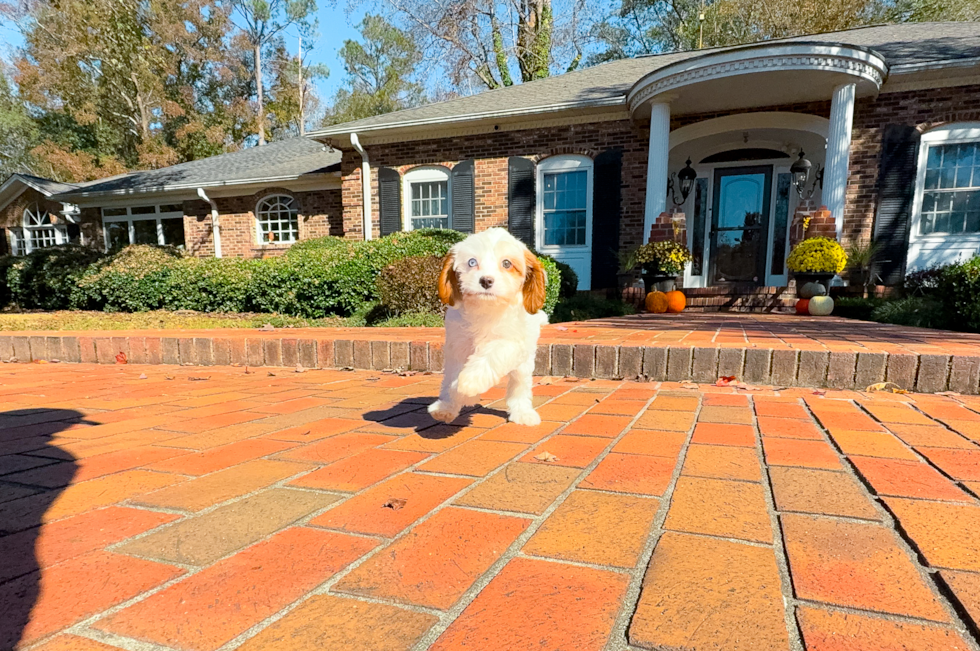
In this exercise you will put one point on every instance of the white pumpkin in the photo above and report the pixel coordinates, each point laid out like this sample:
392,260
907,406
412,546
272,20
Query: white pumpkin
809,290
821,305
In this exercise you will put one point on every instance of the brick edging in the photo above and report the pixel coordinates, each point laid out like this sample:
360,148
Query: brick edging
924,373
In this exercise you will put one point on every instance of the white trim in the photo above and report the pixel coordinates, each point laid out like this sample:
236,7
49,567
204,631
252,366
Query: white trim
744,121
950,247
293,203
838,156
424,174
658,155
856,63
312,181
581,254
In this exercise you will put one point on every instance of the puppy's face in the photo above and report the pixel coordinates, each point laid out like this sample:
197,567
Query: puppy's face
492,266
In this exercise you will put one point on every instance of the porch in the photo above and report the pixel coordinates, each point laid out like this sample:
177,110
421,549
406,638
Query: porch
777,349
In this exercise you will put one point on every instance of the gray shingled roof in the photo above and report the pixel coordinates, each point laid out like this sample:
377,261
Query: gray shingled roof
276,161
47,186
608,83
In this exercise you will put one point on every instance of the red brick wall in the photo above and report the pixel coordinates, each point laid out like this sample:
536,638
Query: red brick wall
490,152
923,109
320,214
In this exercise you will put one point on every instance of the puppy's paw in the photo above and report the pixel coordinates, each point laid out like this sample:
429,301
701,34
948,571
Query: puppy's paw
526,416
476,380
443,411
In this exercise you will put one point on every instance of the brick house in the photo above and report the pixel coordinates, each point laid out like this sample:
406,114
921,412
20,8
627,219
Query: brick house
708,146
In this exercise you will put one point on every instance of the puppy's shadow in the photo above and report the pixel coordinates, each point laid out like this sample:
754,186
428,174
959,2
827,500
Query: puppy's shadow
411,414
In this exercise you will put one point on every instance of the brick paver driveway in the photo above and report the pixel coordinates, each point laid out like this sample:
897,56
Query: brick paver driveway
176,508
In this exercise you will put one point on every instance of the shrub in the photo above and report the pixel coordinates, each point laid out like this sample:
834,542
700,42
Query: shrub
209,285
922,282
569,280
817,255
411,285
911,311
47,279
959,292
5,264
586,306
851,307
135,279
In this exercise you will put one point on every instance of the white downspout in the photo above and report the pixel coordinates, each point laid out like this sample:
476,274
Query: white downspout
215,227
365,186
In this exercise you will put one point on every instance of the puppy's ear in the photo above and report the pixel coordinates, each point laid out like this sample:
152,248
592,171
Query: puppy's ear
448,281
535,282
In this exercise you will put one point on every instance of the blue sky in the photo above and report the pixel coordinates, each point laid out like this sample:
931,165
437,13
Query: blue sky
336,25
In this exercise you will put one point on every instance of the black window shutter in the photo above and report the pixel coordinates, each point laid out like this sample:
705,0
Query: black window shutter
520,199
607,184
464,209
896,189
390,200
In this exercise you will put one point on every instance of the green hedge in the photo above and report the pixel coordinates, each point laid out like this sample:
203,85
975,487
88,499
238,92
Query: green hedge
314,279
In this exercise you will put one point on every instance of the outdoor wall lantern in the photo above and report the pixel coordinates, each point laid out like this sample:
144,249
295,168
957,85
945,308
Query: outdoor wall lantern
801,173
686,177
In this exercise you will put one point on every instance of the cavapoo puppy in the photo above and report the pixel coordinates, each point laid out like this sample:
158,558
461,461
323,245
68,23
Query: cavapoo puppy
495,288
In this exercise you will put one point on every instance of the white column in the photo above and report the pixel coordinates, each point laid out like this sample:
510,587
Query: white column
838,153
656,202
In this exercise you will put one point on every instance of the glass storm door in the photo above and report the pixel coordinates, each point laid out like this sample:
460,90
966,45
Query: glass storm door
740,225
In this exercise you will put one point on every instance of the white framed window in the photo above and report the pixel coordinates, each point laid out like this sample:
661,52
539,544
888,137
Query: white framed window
427,198
277,220
160,224
563,213
37,232
946,208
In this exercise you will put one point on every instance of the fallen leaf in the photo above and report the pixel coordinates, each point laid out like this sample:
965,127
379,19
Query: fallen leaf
571,379
346,368
248,372
395,504
199,379
300,369
271,374
889,387
819,392
40,361
562,328
689,385
547,457
13,360
55,361
948,393
725,380
142,376
372,379
121,358
747,387
168,377
267,327
408,373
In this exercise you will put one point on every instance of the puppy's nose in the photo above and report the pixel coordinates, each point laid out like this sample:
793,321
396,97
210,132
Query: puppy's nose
486,282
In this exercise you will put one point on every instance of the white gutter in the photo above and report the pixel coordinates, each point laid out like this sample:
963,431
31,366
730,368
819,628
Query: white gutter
365,186
215,227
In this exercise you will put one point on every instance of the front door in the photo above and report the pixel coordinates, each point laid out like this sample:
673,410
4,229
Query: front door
740,225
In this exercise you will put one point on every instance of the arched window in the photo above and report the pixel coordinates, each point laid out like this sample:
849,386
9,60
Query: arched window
39,232
427,198
277,219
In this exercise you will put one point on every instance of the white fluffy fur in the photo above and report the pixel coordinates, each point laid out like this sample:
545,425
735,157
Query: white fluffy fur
490,332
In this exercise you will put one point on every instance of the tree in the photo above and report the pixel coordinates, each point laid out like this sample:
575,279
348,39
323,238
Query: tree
18,132
482,39
379,71
283,107
262,22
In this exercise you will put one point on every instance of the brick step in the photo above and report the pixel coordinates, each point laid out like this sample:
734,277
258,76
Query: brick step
740,299
773,362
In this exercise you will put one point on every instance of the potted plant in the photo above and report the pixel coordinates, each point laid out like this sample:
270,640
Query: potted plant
627,278
816,259
661,263
861,259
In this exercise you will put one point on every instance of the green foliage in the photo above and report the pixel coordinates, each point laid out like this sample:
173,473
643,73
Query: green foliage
959,292
379,69
135,279
5,263
850,307
912,311
210,285
569,280
553,287
47,279
586,306
410,285
664,258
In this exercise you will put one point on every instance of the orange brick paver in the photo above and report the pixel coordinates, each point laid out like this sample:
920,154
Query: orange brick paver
326,510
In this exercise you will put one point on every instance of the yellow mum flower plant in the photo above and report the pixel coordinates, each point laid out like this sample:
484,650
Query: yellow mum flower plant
817,255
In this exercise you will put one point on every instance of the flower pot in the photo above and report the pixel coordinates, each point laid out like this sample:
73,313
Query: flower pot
659,283
804,278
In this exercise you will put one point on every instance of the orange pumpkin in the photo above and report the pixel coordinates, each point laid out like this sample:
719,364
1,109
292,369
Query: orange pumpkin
656,302
676,301
803,306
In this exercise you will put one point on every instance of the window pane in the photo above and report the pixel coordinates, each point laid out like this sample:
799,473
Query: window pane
430,204
278,218
565,199
117,234
173,232
952,188
145,231
113,212
172,207
42,237
142,210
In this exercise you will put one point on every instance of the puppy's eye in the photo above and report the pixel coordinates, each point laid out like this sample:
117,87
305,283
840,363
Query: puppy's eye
506,264
472,262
